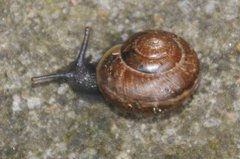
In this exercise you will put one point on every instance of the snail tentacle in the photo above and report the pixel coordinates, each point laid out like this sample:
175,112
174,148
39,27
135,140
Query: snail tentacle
80,74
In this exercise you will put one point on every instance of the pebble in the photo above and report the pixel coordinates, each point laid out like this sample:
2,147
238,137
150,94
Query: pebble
238,46
16,103
33,102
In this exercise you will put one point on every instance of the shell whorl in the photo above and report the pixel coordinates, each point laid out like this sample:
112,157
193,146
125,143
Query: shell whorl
152,51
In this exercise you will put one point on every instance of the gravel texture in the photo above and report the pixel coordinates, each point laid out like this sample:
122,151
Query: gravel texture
52,121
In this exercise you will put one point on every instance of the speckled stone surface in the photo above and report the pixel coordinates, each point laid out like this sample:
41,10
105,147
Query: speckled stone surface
52,121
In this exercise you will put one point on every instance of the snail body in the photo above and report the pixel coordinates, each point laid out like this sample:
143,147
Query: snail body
152,71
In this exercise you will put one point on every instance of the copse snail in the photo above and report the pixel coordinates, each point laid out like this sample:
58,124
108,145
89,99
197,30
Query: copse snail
150,72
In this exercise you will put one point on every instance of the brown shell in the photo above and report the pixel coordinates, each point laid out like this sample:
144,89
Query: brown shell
152,71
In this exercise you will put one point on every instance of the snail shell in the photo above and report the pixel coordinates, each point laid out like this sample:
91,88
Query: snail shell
151,72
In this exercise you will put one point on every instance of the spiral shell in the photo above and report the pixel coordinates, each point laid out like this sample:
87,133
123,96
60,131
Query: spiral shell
152,71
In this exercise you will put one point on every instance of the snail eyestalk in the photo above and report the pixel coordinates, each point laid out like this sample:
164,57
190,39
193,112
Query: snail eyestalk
51,77
82,51
79,74
66,75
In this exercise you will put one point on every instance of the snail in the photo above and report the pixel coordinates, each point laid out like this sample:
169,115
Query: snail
152,71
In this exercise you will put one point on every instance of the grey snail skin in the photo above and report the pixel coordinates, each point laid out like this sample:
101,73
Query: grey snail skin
152,71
